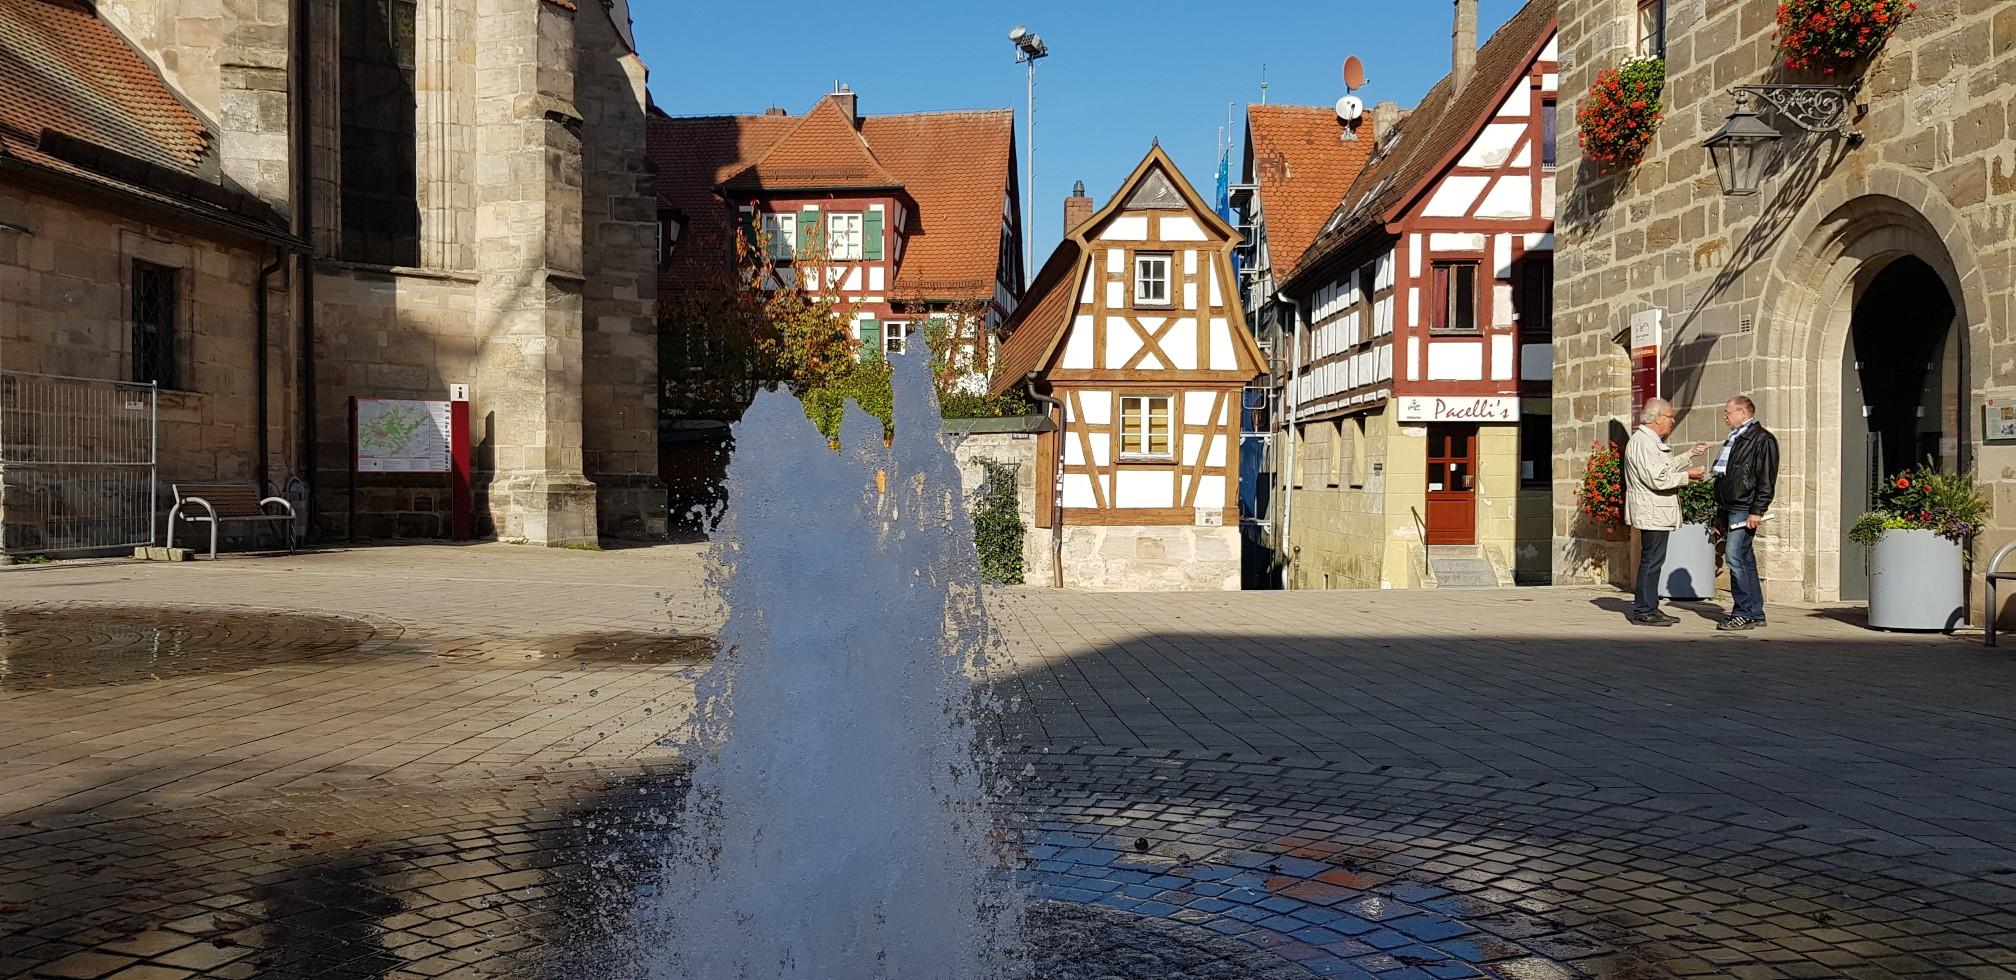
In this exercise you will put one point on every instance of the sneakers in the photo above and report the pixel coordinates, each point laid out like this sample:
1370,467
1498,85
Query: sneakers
1653,619
1735,623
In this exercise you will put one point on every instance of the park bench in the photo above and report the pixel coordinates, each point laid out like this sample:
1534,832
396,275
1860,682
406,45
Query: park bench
1996,575
218,503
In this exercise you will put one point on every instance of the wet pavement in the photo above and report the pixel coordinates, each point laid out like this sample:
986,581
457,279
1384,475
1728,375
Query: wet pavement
454,762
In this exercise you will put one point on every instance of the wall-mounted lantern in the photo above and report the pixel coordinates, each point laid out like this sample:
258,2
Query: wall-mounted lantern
1742,149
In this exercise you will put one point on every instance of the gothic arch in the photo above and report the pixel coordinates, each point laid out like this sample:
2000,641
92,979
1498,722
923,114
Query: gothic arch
1844,237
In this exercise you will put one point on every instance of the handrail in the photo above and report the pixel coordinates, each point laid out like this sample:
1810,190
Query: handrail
1421,529
1993,576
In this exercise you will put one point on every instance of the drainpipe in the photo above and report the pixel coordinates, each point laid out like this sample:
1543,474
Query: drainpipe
303,152
263,332
1057,485
1288,473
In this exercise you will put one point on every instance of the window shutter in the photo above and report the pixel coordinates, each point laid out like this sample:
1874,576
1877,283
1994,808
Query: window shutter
746,221
808,230
871,235
871,339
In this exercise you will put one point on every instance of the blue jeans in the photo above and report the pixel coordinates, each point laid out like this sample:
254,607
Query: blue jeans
1741,554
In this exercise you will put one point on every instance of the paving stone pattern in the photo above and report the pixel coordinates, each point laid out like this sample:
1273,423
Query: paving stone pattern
454,761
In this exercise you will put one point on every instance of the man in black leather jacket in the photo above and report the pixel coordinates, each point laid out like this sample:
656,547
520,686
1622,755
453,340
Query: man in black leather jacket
1746,481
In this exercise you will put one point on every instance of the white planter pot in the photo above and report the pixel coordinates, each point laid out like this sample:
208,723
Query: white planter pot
1690,564
1917,581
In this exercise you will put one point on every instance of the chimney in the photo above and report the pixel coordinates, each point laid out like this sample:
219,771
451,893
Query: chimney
845,97
1463,45
1077,208
1385,116
775,110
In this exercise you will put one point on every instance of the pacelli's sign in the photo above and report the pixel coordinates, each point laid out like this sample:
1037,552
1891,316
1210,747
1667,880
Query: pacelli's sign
1427,408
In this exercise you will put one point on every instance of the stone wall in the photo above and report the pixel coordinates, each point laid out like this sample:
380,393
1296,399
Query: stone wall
1757,290
1351,526
1017,450
1151,559
66,309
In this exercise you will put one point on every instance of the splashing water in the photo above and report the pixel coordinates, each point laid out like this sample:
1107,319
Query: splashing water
838,826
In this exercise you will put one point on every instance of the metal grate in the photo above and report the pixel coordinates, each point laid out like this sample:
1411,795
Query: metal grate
154,300
77,464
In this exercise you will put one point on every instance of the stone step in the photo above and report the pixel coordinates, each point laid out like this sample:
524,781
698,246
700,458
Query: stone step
1462,573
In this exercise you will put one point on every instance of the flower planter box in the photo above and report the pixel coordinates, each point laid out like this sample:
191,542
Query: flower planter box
1690,564
1917,581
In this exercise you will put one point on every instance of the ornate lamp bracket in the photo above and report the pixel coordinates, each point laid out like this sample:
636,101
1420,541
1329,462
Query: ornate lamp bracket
1813,108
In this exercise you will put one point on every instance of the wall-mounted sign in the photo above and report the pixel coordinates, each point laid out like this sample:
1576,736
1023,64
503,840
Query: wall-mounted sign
1998,420
1646,331
402,436
1210,517
1434,408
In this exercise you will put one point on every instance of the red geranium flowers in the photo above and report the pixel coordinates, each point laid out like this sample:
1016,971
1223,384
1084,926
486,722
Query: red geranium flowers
1621,112
1829,36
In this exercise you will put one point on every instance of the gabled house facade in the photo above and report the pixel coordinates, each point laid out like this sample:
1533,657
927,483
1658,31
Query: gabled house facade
1299,162
899,218
1133,334
1418,419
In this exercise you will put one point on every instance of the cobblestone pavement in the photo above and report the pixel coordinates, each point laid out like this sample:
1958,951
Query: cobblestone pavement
451,761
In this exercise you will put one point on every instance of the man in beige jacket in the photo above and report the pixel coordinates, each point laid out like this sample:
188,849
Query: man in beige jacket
1653,476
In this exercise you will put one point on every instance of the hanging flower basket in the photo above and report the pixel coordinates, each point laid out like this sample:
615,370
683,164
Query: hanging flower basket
1832,36
1619,116
1601,492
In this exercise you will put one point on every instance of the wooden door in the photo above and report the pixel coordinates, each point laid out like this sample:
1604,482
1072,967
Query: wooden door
1452,484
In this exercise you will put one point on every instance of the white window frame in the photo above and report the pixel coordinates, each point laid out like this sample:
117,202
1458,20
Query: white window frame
1142,262
1138,427
895,338
843,236
781,227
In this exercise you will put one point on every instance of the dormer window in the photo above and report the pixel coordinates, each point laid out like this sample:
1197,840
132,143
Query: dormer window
1151,279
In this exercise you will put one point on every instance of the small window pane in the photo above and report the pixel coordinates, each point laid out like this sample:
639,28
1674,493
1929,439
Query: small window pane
1652,28
1548,132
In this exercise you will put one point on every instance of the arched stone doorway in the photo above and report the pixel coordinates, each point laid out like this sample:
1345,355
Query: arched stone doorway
1902,402
1831,266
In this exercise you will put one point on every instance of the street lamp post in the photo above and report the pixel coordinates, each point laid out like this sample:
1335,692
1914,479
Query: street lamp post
1028,49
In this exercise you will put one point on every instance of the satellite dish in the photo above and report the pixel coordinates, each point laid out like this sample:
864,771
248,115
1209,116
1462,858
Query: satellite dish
1018,33
1354,73
1350,108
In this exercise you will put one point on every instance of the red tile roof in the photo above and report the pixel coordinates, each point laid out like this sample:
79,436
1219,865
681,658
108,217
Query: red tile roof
953,166
1431,136
1303,168
1037,324
64,70
822,152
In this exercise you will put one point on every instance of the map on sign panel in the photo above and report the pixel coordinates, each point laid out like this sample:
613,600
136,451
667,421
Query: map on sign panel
397,436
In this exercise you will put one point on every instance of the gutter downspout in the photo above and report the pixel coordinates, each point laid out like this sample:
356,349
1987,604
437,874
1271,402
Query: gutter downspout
1293,400
1057,483
261,314
303,152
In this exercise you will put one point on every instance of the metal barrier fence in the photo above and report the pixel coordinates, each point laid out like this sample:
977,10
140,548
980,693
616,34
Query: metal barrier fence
77,464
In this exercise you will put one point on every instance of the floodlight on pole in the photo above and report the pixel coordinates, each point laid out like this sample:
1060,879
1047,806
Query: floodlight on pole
1029,48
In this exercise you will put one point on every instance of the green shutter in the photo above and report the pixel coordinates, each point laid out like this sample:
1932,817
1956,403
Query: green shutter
746,220
808,231
871,339
871,235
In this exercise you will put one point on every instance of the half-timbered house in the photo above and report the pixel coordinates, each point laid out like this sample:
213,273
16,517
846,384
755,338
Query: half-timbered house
898,217
1418,393
1133,333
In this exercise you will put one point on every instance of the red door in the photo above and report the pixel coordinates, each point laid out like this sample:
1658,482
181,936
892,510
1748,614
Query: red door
1452,484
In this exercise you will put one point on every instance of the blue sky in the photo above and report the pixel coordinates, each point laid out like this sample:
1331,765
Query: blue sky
1121,72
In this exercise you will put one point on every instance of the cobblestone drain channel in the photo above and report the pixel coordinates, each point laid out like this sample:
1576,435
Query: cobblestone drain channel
1145,866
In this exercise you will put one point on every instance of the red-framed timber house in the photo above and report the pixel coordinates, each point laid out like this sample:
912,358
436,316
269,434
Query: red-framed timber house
905,215
1133,326
1418,409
